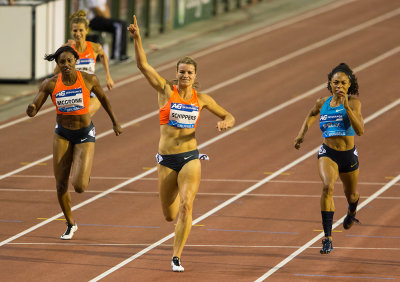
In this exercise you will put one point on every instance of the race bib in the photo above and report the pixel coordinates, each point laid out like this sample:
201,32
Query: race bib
86,65
183,116
69,100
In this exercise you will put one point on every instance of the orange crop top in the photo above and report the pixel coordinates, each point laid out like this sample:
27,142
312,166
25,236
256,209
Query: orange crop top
87,60
180,113
71,100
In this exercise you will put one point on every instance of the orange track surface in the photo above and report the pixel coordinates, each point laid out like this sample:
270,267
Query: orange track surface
250,236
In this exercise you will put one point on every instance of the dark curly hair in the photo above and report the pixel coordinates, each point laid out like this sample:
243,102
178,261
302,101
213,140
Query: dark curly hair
55,55
342,67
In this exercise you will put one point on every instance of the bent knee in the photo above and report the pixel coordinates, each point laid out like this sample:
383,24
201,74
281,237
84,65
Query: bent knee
169,217
80,188
185,209
327,189
62,187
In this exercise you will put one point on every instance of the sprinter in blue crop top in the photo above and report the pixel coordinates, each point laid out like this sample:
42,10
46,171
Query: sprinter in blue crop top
340,119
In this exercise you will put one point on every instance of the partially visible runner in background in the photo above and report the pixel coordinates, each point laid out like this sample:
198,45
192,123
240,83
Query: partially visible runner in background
88,52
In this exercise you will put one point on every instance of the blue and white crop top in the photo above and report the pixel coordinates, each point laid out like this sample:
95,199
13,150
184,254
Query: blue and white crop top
334,121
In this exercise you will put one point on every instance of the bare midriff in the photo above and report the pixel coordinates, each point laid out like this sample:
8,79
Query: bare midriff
74,122
175,140
340,143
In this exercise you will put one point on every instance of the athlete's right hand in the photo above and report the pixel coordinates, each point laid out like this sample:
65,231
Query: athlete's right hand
134,28
297,141
117,129
31,110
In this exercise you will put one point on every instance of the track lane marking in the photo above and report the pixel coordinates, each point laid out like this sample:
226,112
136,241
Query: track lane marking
254,187
214,194
319,236
195,246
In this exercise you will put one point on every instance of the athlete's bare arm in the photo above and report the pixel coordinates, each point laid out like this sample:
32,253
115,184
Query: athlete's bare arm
92,83
45,90
98,51
152,76
355,116
209,103
309,120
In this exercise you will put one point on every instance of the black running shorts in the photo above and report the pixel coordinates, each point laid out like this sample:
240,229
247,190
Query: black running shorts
177,161
347,161
83,135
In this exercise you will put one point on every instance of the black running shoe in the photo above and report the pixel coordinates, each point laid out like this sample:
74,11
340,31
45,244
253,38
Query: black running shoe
349,220
327,246
176,265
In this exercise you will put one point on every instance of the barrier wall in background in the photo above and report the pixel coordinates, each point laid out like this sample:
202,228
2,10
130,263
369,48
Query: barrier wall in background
30,29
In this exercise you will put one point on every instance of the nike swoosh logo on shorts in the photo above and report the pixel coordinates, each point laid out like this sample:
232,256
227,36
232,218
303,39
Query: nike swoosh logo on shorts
83,139
185,158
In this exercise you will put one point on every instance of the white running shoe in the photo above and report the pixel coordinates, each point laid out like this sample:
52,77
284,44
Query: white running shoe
176,265
69,233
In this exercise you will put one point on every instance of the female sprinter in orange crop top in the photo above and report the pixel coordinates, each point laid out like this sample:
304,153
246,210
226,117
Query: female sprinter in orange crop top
88,52
178,159
75,134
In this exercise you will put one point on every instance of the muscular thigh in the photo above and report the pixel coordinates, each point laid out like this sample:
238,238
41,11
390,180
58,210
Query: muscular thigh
167,184
349,180
62,157
83,159
328,170
189,179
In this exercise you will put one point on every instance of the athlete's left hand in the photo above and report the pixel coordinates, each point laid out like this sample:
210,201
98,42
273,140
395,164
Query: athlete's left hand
345,99
117,129
223,125
110,83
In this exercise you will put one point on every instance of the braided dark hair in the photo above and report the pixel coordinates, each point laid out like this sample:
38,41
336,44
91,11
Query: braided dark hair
55,55
342,67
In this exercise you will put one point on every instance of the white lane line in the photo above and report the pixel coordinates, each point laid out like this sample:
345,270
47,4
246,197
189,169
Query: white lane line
156,179
383,56
218,47
247,191
155,193
199,246
318,237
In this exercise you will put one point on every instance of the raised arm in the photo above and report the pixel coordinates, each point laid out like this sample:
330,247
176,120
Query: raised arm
227,118
152,76
98,50
45,90
309,120
93,85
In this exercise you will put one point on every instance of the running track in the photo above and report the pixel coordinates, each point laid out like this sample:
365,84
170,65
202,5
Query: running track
257,212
